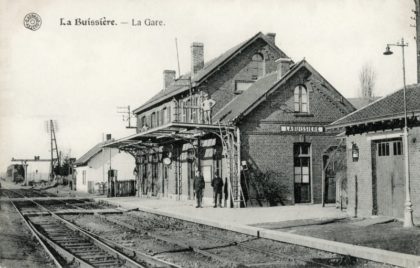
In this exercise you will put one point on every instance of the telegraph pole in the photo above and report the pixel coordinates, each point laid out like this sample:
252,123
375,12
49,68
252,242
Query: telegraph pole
51,128
126,111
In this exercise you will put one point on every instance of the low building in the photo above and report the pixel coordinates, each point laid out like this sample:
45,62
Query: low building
93,167
250,112
375,155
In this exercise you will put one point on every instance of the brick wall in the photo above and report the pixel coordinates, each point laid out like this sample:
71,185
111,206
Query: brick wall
221,87
267,148
362,171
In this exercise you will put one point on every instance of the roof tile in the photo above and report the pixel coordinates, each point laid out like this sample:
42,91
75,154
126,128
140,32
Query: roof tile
388,106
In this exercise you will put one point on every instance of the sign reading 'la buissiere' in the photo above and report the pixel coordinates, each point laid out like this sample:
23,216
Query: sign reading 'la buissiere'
301,129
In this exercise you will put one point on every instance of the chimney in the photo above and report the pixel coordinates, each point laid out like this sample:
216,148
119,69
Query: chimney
108,137
168,78
272,37
197,57
283,66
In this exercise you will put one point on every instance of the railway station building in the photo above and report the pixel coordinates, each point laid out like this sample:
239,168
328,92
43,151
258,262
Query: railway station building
252,115
375,155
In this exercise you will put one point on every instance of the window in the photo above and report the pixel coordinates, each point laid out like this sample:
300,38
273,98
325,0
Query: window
302,174
158,122
241,86
143,121
397,148
188,111
301,99
163,116
169,114
84,177
257,66
383,148
184,112
153,120
194,109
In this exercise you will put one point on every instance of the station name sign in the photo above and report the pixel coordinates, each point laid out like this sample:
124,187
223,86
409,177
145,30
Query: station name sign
301,129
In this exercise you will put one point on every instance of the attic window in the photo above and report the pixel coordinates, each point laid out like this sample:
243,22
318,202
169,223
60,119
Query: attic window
242,85
301,99
257,66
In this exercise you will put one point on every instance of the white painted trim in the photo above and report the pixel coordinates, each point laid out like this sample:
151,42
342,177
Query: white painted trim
391,135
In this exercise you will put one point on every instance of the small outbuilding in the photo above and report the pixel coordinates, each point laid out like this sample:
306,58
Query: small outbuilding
375,155
93,168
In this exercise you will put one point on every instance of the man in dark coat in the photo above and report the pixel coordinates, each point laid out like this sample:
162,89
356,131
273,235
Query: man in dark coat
226,192
199,185
217,184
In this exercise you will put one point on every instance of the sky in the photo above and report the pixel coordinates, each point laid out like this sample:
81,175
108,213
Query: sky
78,75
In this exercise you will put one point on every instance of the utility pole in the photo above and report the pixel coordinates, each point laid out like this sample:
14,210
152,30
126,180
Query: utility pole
417,37
126,111
51,128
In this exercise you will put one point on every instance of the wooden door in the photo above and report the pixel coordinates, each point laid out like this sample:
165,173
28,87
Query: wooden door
91,188
389,176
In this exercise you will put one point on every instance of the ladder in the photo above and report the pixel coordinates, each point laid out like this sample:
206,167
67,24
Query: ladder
230,152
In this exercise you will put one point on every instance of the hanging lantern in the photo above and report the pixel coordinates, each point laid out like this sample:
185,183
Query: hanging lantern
355,152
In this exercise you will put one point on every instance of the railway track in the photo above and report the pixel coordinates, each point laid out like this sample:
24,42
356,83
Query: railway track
70,246
82,240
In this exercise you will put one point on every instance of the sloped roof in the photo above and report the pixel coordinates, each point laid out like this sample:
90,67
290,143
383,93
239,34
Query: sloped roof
245,102
183,83
361,102
84,159
391,106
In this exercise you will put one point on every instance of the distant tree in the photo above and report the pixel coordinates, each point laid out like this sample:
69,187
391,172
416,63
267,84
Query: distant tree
64,168
367,77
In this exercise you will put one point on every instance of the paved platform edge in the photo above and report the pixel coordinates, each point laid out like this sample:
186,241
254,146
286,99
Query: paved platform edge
373,254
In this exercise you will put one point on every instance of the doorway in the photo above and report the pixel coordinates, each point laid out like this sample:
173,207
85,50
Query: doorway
302,172
388,178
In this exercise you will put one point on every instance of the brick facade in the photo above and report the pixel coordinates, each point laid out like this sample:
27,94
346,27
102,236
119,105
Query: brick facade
263,143
267,148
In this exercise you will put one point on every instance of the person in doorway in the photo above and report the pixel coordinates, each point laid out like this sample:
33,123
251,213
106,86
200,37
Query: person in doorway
199,185
217,184
207,105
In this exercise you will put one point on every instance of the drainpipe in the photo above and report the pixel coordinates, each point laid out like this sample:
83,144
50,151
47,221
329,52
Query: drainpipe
238,134
355,196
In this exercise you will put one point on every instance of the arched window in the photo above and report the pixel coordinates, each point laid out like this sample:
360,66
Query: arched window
153,120
301,99
143,121
164,116
257,67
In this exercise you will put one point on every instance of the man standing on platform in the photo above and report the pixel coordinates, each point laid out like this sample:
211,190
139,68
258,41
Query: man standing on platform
207,105
199,185
217,184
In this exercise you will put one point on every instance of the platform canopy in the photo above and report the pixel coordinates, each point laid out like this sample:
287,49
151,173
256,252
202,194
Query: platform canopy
166,134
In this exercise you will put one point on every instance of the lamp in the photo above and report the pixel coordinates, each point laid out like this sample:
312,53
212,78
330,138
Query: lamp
408,211
355,152
388,51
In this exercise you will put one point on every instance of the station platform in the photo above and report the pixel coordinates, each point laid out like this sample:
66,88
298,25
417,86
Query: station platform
252,221
243,216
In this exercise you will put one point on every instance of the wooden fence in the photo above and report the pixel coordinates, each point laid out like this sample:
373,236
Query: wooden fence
122,188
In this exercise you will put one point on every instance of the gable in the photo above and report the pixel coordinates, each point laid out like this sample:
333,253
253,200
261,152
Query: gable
272,99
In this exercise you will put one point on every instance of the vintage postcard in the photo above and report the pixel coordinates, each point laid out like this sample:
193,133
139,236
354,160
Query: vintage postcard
238,133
